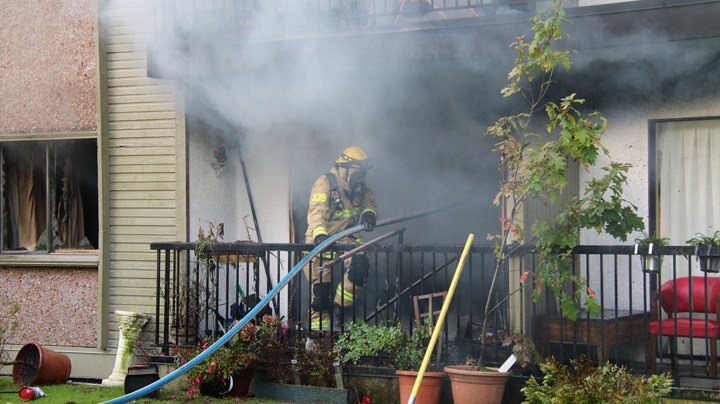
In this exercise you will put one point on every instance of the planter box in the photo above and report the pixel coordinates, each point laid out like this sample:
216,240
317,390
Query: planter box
709,263
379,383
708,258
301,394
652,263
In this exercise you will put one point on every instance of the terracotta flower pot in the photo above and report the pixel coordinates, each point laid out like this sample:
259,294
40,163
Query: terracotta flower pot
430,390
38,365
476,387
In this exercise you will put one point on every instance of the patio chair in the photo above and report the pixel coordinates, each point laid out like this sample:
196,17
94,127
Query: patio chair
432,312
693,315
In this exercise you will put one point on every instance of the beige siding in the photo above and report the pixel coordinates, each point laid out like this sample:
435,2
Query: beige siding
144,149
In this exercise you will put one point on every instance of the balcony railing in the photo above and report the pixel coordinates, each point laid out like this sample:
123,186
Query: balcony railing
308,16
199,296
265,20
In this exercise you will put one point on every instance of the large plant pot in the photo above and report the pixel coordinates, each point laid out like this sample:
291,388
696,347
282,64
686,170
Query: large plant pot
236,385
241,383
470,386
37,365
430,390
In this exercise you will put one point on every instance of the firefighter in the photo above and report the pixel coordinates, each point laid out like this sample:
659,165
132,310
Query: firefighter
339,200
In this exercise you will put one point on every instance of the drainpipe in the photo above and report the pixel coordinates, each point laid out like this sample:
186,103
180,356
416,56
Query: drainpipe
257,229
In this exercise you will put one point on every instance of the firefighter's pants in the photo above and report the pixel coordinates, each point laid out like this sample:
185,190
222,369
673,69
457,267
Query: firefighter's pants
326,290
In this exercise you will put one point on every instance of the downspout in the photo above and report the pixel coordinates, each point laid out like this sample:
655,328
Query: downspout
103,163
263,258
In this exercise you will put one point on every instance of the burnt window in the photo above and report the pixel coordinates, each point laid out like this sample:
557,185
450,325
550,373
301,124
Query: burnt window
49,188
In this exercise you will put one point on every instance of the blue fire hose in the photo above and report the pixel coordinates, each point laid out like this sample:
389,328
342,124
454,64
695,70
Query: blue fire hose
252,313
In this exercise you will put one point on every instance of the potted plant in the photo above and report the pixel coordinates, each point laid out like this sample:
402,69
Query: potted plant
273,343
409,359
227,372
706,250
371,345
651,263
368,354
536,171
297,368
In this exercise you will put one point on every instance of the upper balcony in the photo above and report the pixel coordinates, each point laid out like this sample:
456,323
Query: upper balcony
281,19
381,30
287,19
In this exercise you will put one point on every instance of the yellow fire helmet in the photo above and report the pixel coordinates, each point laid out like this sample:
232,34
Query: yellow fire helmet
354,156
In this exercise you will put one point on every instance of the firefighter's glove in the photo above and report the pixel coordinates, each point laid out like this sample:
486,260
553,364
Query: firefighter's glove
320,238
368,219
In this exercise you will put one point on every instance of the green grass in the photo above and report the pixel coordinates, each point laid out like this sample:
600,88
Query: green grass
75,393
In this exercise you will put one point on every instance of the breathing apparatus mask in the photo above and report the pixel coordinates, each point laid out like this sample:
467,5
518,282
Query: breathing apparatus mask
355,180
355,163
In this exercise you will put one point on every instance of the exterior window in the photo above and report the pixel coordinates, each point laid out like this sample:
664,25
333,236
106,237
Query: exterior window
686,183
49,187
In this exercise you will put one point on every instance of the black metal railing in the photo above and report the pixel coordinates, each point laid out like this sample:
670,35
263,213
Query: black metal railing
289,17
199,296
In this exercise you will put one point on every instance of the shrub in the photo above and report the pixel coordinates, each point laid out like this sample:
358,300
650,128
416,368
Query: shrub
589,383
273,348
316,365
361,340
411,355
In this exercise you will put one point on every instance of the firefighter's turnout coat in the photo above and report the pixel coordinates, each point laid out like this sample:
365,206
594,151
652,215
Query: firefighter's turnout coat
332,210
327,217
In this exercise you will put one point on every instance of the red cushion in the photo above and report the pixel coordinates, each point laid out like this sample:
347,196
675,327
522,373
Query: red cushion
675,294
683,327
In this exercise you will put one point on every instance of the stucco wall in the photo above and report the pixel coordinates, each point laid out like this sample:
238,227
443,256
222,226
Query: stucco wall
47,84
57,307
627,141
47,68
215,196
221,196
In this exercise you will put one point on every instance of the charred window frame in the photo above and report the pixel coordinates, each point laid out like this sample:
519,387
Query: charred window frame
48,187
